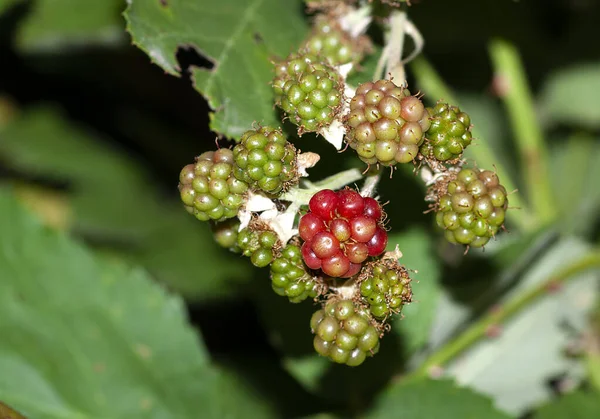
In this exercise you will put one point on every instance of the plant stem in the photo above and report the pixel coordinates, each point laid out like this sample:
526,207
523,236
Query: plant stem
500,314
430,81
527,132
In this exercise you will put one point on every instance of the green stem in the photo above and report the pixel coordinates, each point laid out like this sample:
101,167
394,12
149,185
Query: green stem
430,81
527,132
500,314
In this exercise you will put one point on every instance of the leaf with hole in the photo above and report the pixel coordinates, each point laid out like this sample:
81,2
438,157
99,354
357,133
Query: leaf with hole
239,38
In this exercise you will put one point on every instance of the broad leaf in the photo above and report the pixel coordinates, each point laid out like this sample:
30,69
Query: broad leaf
570,96
113,202
57,24
427,399
418,255
82,337
239,38
577,405
514,366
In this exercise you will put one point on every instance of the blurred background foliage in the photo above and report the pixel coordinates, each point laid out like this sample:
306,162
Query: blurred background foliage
93,135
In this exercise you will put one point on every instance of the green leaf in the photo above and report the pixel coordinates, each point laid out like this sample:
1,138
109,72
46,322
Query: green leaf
85,338
57,24
113,202
577,405
427,399
239,37
513,367
570,96
418,255
576,166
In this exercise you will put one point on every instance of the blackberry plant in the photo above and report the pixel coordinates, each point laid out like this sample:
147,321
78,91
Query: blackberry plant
340,205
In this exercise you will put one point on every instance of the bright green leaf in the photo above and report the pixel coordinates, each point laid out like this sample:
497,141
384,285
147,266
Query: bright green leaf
418,255
239,37
84,338
428,399
56,24
113,201
570,96
577,405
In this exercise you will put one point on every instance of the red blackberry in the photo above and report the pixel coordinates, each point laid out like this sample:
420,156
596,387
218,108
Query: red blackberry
340,231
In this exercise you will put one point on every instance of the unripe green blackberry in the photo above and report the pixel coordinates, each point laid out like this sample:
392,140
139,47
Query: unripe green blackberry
289,276
471,207
309,90
327,39
225,234
344,333
259,243
265,160
208,188
386,123
448,135
385,288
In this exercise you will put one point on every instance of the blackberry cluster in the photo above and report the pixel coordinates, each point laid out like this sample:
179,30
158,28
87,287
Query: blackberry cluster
259,243
330,41
289,276
225,234
471,207
208,188
386,123
309,90
343,333
340,231
265,160
385,286
448,135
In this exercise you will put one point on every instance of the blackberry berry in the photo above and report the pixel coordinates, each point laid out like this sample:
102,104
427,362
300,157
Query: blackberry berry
341,230
448,135
471,206
259,243
208,188
309,90
265,160
343,332
225,234
385,288
386,123
289,276
330,41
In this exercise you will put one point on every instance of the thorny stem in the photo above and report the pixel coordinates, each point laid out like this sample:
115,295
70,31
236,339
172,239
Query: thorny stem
514,90
432,83
501,314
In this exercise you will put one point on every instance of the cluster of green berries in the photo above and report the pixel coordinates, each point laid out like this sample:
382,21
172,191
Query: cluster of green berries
385,287
344,333
448,135
309,90
265,160
386,124
328,40
471,206
259,243
208,188
290,277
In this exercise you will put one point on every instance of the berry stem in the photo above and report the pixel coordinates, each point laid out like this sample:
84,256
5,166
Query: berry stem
516,94
432,83
502,313
301,196
370,184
